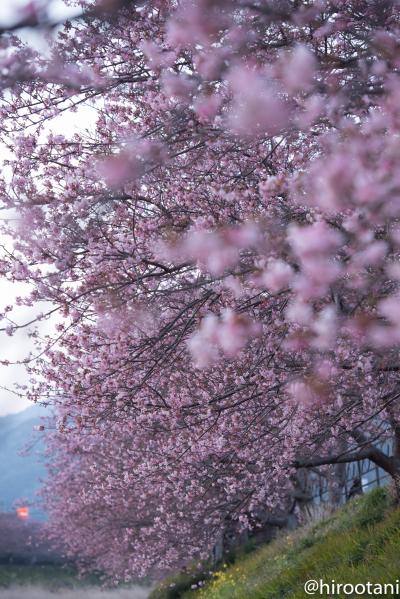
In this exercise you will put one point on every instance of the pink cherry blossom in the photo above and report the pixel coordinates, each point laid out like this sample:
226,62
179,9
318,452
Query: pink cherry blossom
299,68
277,275
218,251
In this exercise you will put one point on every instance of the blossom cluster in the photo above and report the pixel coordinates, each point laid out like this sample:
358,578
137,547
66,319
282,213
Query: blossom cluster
220,249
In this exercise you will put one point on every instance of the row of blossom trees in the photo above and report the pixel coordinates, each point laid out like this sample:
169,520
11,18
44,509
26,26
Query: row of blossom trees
221,252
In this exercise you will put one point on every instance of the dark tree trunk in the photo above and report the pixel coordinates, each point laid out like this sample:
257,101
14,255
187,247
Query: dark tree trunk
390,464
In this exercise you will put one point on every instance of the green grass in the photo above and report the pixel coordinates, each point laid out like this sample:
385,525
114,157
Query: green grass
357,544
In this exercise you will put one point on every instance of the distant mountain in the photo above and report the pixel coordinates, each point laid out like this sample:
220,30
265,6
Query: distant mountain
20,474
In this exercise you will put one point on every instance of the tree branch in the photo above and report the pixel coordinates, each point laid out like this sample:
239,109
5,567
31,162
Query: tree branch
333,459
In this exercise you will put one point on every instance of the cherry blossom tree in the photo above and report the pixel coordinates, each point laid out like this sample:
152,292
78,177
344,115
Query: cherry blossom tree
220,249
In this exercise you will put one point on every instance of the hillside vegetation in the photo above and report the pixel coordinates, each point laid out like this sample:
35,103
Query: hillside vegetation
358,543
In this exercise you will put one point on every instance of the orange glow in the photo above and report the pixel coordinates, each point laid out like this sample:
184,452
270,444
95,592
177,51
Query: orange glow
23,512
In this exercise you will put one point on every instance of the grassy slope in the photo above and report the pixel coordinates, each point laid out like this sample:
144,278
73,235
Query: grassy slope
359,543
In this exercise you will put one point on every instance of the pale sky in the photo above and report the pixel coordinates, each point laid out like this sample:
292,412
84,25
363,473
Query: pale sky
20,345
9,9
